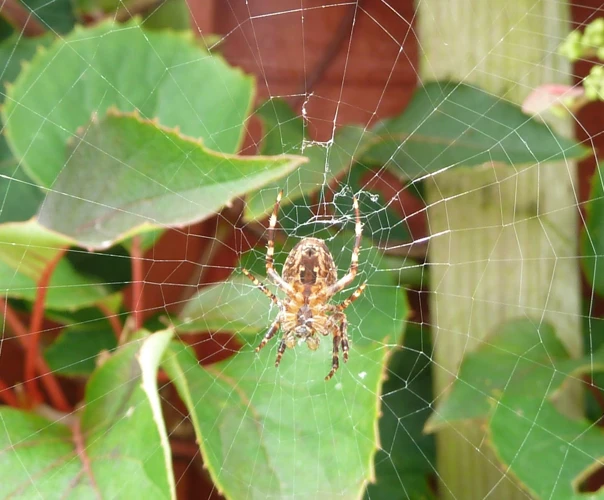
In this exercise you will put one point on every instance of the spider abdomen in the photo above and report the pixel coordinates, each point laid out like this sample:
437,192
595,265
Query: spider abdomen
311,265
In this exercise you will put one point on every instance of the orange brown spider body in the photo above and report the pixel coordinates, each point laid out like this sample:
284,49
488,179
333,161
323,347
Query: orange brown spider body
309,280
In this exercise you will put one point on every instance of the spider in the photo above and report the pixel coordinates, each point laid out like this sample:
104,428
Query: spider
309,280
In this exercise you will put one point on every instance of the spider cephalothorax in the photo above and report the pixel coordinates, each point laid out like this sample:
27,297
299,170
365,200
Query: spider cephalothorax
309,280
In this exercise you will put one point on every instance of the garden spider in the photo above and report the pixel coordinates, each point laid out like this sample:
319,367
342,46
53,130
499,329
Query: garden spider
309,280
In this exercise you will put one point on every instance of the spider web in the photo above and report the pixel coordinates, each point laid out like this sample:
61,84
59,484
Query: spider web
463,269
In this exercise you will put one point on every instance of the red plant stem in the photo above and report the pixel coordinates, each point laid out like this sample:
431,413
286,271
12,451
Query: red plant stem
22,18
114,321
57,397
82,454
136,255
48,379
7,395
35,326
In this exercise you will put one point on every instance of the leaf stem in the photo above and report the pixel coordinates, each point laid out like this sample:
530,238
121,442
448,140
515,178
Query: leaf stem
80,448
136,255
22,19
8,395
113,319
35,327
48,379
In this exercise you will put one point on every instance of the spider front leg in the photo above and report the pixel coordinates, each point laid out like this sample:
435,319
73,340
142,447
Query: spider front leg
262,287
270,250
355,295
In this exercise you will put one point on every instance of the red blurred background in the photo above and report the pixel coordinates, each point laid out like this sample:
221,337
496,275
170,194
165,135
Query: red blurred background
363,72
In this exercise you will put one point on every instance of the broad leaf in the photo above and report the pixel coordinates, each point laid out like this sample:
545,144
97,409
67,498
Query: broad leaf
19,197
449,124
380,222
172,14
592,237
116,448
406,458
56,16
514,352
25,251
286,431
285,134
235,306
158,179
74,352
164,75
513,380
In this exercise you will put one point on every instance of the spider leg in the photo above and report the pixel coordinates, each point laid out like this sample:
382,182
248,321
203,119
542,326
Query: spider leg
354,261
355,295
270,250
269,335
335,362
280,351
344,337
262,287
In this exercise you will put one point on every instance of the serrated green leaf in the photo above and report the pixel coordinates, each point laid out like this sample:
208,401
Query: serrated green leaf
164,75
172,14
112,267
406,458
592,235
449,124
285,134
25,250
19,197
75,350
307,437
124,440
513,379
56,16
380,222
235,306
515,351
158,179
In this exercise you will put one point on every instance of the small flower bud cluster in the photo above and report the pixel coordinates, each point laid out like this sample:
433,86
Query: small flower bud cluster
586,45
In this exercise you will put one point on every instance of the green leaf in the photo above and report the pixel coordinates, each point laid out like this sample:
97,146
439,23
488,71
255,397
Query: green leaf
112,267
158,179
285,134
406,458
173,14
19,197
57,16
25,250
75,350
592,235
381,223
514,352
449,124
112,304
513,379
286,431
235,306
122,447
164,75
